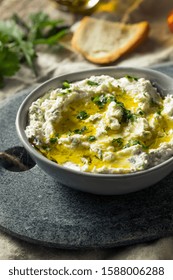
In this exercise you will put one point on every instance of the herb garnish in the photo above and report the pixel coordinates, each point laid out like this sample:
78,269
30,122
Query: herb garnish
82,115
131,78
127,114
91,138
91,83
18,40
141,113
53,140
135,142
100,100
159,111
117,142
112,99
65,84
80,131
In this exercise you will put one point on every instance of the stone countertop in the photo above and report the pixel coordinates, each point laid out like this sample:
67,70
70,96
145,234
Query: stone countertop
52,64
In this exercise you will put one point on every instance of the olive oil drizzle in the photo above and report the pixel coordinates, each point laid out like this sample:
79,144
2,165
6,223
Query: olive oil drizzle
74,120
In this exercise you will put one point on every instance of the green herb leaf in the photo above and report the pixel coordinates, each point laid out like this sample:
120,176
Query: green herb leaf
127,114
80,131
100,100
14,39
91,83
65,84
41,25
28,52
141,113
135,142
121,104
52,39
118,142
9,63
82,115
159,112
91,138
10,31
53,140
131,78
112,98
18,40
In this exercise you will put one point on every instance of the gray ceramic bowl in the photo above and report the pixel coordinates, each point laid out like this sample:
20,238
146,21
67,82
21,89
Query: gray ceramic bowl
105,184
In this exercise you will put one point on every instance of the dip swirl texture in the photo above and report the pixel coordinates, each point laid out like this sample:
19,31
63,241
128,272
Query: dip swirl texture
103,125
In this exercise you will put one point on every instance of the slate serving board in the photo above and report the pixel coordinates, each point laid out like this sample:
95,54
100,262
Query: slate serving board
36,208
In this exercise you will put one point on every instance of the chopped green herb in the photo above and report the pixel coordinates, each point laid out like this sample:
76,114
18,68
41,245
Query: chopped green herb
91,83
129,116
135,142
120,104
117,142
131,78
112,98
144,146
91,138
68,90
159,112
65,84
100,100
95,99
53,140
80,131
64,92
141,113
82,115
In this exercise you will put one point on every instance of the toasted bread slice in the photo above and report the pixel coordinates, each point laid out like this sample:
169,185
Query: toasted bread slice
103,42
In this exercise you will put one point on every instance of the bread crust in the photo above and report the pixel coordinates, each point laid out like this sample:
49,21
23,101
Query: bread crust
138,38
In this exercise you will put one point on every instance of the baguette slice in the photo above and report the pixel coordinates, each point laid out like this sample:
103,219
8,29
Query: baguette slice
103,42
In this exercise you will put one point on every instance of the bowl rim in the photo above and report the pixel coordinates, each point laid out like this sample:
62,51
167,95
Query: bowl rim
35,153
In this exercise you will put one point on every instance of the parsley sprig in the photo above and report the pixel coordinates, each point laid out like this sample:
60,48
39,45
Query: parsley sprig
18,41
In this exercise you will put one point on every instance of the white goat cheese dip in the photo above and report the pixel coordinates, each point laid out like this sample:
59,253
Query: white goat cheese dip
103,125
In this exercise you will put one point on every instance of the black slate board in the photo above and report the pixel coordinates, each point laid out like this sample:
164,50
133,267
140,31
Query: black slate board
34,207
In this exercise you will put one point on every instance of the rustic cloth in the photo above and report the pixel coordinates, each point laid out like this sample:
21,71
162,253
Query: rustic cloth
157,49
